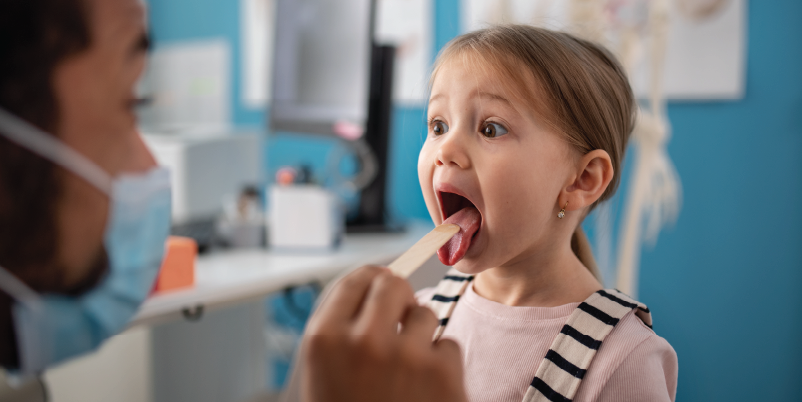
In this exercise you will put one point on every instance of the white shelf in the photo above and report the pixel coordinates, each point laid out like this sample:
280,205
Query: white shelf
232,277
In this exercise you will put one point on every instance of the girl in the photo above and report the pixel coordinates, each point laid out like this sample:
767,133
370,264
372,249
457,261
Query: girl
527,131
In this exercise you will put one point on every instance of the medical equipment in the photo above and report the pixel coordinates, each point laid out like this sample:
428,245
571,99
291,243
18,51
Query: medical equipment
331,78
418,254
207,168
304,217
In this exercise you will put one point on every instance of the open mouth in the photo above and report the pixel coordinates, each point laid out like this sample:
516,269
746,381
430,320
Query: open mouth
460,211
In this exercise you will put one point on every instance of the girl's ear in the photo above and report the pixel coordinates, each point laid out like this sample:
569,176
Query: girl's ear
594,173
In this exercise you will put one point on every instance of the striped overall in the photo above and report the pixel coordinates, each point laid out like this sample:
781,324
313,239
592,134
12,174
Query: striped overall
559,374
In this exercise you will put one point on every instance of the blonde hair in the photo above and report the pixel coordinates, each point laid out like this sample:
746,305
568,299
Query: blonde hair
575,86
582,91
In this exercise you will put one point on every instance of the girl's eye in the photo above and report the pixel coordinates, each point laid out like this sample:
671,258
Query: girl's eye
493,130
439,128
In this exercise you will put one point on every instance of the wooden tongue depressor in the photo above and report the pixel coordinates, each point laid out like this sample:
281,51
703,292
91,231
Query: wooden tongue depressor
413,258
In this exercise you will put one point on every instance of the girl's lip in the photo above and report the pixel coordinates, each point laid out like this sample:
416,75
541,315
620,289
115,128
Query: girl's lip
443,187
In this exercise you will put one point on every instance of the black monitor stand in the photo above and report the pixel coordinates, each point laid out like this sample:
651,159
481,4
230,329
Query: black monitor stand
372,215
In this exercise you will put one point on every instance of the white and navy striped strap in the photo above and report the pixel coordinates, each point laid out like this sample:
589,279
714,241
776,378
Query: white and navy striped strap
562,370
445,298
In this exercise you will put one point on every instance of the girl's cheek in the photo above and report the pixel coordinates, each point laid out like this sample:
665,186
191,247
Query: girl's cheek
425,177
425,162
424,171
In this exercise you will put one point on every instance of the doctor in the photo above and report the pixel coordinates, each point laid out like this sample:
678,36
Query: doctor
85,211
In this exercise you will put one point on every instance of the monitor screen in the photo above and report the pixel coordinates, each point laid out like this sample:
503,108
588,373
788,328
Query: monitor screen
321,67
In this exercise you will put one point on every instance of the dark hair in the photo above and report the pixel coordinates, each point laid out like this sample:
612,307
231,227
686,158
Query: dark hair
35,36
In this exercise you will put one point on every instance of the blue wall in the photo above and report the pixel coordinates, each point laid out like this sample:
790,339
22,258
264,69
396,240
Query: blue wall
725,283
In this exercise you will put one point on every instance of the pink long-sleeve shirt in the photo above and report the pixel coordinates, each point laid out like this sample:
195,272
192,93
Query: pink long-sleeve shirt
502,347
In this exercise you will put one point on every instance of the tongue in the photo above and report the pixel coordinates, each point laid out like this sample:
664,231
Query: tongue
468,219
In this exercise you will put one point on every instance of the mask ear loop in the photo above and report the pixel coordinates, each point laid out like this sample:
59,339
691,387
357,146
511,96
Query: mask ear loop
24,326
36,140
18,290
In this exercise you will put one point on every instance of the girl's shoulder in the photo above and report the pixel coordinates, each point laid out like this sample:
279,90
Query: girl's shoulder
633,359
632,334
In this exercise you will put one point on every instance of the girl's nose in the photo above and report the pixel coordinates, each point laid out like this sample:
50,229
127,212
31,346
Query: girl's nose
452,150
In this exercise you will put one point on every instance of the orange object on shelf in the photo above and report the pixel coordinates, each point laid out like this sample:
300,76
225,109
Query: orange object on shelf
178,268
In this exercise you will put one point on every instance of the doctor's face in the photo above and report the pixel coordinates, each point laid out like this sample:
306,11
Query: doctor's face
95,95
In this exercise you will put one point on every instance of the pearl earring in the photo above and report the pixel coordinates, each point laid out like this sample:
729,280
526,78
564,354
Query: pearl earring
561,214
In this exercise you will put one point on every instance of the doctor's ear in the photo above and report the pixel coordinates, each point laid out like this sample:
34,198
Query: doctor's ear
594,174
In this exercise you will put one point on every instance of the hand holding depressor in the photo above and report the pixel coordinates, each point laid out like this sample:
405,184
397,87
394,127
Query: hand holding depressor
353,349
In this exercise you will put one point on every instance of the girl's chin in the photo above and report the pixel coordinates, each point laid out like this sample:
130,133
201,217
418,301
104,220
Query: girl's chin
470,266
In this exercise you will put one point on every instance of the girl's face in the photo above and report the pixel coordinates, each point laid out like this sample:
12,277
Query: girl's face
491,149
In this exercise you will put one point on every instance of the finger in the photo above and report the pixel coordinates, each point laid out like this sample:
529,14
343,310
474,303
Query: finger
447,354
386,303
419,325
345,297
448,349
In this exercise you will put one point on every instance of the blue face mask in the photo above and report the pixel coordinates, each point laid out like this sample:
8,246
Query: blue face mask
52,328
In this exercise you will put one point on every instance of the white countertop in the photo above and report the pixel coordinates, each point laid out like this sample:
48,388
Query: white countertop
230,277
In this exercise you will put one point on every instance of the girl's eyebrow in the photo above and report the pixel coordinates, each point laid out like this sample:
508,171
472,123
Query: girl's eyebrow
479,94
492,96
436,97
